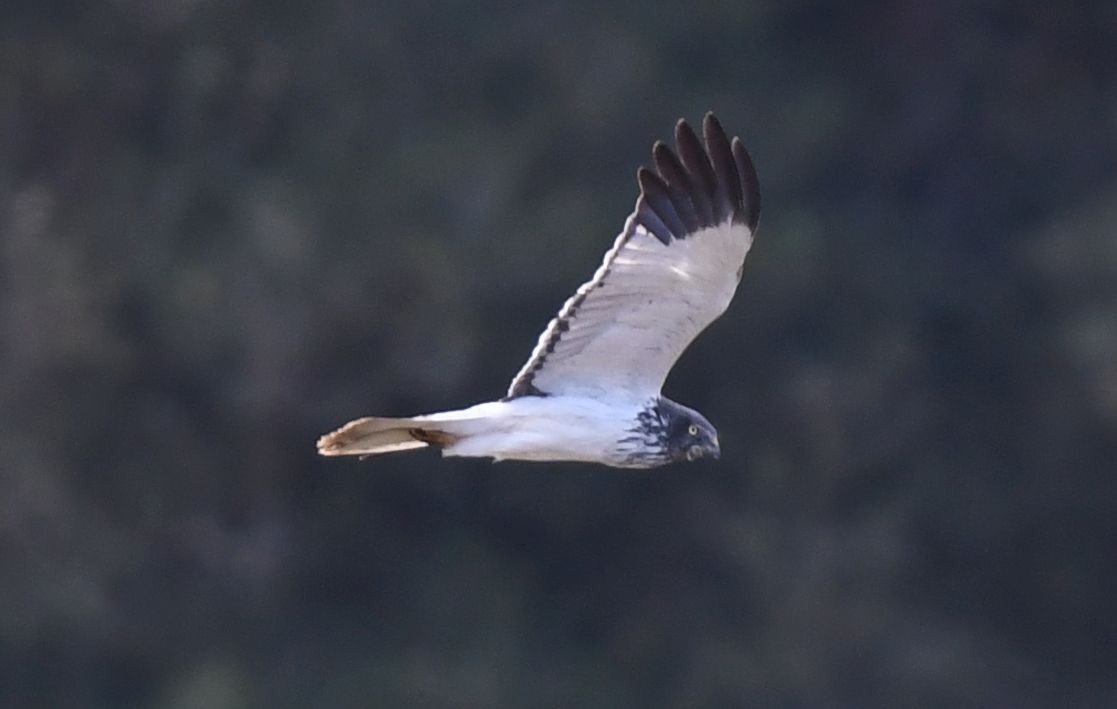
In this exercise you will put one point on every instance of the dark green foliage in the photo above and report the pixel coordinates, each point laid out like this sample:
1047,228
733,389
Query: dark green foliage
226,228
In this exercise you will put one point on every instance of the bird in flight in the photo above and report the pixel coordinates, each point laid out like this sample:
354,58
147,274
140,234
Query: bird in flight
590,391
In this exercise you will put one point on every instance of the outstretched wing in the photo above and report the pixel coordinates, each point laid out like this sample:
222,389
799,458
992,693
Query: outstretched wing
670,273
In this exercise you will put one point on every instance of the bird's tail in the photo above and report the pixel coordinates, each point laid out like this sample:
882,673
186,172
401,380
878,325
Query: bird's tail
373,436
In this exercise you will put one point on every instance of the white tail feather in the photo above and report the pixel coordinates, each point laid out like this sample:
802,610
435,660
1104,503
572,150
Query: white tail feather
373,436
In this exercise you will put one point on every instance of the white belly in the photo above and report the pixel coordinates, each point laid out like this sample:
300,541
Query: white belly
544,428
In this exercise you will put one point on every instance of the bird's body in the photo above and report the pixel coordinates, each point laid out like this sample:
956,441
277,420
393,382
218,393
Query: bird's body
590,391
538,428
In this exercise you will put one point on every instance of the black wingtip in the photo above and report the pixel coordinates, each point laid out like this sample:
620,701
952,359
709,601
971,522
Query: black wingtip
728,188
709,182
647,215
679,186
750,185
680,126
697,165
713,134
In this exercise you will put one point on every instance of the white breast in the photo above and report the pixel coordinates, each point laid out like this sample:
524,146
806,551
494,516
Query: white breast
546,428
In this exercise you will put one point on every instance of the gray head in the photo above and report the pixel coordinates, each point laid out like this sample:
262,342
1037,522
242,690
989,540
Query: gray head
684,433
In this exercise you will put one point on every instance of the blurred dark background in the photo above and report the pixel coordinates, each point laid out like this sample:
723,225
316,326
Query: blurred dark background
228,227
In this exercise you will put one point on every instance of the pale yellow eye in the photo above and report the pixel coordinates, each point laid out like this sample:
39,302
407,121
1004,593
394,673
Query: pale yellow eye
693,430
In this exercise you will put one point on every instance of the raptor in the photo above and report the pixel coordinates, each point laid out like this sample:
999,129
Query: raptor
591,390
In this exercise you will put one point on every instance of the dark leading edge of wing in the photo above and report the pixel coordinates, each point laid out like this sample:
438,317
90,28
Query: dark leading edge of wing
699,188
705,188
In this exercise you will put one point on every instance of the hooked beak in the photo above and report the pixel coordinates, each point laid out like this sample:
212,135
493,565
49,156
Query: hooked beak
712,451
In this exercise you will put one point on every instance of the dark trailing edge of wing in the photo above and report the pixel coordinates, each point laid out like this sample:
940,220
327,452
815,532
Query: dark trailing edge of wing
701,187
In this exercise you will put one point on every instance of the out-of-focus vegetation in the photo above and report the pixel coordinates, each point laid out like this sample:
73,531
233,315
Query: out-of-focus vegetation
226,227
